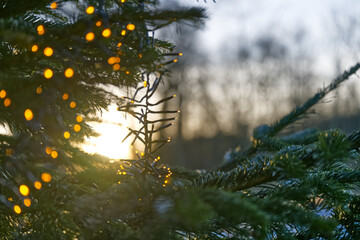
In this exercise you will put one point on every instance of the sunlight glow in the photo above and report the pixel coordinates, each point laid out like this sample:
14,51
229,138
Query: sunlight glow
112,131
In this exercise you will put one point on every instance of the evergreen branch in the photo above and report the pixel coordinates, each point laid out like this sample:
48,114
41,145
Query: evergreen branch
290,118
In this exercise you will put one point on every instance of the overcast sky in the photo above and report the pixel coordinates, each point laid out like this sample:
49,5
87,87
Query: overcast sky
233,19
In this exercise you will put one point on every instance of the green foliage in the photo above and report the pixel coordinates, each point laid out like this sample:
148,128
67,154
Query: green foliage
301,186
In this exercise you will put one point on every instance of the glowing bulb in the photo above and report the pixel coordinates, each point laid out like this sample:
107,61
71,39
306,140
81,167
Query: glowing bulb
48,51
119,44
73,104
180,54
46,177
145,83
106,32
48,73
40,29
53,5
111,60
34,48
116,67
24,190
140,55
54,154
48,150
17,209
69,73
98,23
90,10
77,127
39,90
27,202
66,135
65,96
9,151
127,72
130,27
90,36
175,60
7,102
28,114
117,59
37,185
2,93
79,118
123,32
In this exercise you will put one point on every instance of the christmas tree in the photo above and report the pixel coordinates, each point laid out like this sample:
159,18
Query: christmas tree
59,63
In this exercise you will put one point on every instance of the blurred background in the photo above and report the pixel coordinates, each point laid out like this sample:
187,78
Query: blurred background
251,63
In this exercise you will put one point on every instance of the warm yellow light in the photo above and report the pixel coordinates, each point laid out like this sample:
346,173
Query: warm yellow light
65,96
145,83
111,60
116,67
130,27
77,127
48,150
66,135
40,29
79,118
7,102
46,177
17,209
27,202
48,73
117,59
69,73
2,93
54,154
37,185
24,190
106,32
73,104
123,32
90,36
122,1
53,5
48,51
28,114
180,54
127,72
119,44
98,23
140,55
34,48
90,10
9,151
175,60
39,90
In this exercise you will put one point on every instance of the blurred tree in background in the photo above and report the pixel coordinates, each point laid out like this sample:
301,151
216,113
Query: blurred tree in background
60,62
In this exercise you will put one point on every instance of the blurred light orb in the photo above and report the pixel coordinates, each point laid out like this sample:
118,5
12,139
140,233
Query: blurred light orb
90,10
17,209
69,73
48,51
37,185
106,32
27,202
130,27
28,114
48,73
89,36
46,177
24,190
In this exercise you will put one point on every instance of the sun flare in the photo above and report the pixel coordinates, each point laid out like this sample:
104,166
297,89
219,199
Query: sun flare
112,131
